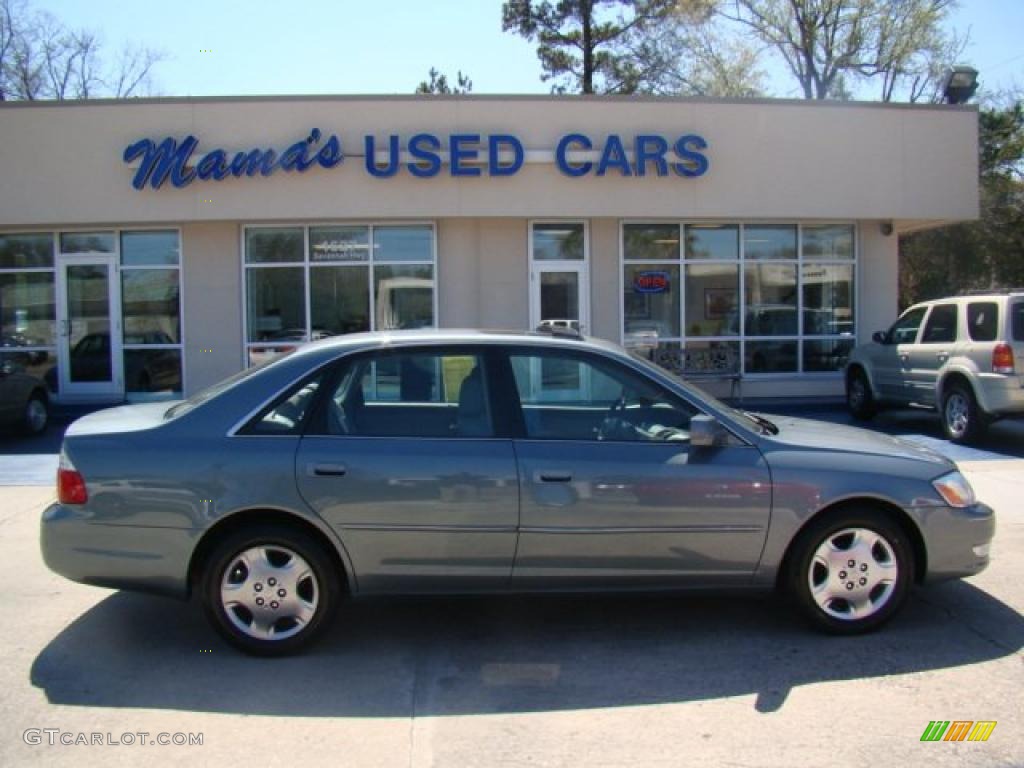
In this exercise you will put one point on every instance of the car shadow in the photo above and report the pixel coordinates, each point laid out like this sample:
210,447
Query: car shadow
393,657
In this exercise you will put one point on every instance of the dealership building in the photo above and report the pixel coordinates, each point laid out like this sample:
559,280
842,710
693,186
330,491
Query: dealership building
150,247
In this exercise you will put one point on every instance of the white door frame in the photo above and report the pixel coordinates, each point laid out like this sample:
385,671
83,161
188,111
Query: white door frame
93,390
580,268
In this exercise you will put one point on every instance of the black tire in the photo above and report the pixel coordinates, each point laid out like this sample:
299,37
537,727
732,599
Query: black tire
859,400
962,420
36,416
832,611
322,589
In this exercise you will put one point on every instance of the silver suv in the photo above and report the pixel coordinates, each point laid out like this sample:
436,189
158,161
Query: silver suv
963,356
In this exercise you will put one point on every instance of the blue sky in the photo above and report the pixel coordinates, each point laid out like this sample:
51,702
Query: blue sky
225,47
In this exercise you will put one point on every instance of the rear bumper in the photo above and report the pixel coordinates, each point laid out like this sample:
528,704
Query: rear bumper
1001,395
116,556
958,541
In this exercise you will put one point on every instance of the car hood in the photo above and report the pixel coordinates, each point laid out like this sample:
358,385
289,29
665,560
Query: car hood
836,438
124,418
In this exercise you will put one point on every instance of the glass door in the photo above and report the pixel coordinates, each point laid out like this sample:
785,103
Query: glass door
89,347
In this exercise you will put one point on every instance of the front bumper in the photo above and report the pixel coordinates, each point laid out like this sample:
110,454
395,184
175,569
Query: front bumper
958,541
116,556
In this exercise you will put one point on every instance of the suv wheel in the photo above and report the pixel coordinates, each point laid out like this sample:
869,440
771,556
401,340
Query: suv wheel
269,590
851,572
961,418
36,415
859,399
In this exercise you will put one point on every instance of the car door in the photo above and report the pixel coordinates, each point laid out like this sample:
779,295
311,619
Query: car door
403,462
613,494
891,360
936,344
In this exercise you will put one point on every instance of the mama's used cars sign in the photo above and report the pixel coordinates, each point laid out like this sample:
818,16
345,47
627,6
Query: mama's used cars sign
423,155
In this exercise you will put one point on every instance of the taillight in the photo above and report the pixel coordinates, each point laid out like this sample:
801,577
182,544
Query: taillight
1002,359
70,483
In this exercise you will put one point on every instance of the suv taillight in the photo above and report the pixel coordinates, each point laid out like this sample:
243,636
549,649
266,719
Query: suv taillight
70,483
1002,359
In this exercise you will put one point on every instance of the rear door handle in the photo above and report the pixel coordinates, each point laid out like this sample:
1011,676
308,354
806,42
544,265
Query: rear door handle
326,470
552,476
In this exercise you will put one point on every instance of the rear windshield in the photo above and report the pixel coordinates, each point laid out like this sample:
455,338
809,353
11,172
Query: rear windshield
1017,320
221,386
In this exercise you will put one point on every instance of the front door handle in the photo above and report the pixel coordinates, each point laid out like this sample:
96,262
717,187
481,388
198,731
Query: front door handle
326,470
552,476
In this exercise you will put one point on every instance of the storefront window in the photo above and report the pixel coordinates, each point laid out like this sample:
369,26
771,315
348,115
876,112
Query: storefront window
30,251
561,241
649,242
87,242
151,311
27,306
827,242
651,300
339,301
743,310
273,245
769,241
712,300
150,249
276,304
352,277
712,241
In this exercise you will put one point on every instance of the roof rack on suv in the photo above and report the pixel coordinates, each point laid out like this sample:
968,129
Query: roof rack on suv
552,328
991,292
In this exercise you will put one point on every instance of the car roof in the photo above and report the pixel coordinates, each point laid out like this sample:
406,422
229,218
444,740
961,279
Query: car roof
378,339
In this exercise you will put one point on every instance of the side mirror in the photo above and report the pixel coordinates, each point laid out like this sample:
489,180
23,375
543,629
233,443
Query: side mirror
706,432
880,337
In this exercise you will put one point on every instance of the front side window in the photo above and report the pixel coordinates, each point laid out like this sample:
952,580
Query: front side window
415,394
904,330
574,397
941,325
307,283
286,416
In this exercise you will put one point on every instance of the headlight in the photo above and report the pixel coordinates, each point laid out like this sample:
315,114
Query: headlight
955,490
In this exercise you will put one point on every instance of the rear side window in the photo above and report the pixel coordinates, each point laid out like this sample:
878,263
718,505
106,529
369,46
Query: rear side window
416,394
983,320
1017,320
941,326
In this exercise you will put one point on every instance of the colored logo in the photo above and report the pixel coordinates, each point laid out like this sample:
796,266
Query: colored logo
958,730
651,282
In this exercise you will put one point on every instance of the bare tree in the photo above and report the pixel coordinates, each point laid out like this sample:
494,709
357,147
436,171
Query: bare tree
830,45
42,58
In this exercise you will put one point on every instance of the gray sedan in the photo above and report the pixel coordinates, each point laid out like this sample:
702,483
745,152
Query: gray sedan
449,461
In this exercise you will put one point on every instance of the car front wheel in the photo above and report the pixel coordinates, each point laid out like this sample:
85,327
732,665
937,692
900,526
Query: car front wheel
851,572
270,590
859,399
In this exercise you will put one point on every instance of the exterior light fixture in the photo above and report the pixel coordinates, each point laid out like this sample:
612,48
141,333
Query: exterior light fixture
961,83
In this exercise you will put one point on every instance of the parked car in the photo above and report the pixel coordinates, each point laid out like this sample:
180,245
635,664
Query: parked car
24,402
458,461
963,356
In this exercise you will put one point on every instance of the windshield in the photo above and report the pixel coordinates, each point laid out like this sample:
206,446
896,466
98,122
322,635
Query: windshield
752,421
180,409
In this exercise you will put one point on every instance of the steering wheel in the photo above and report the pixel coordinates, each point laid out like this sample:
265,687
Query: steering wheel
613,422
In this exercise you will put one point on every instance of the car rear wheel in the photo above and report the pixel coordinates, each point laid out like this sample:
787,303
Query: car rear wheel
270,590
36,415
859,399
961,418
851,572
